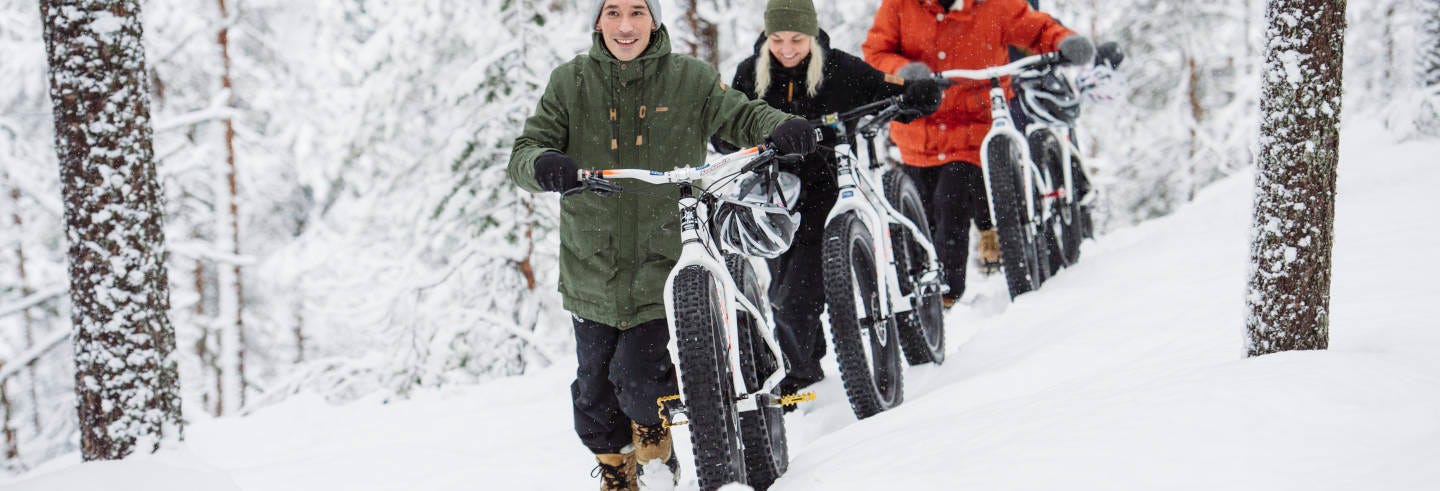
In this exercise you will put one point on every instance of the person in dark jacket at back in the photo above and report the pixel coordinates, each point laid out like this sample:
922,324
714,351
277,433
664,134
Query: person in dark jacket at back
794,69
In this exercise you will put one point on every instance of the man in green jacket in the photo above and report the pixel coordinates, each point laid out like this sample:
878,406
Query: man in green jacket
629,103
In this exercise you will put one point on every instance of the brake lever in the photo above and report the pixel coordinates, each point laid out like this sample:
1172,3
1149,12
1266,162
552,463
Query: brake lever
591,181
765,157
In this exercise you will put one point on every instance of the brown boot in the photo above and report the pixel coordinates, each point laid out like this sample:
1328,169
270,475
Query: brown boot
989,252
653,447
616,470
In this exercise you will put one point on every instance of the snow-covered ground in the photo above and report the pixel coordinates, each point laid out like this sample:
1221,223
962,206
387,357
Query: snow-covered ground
1124,372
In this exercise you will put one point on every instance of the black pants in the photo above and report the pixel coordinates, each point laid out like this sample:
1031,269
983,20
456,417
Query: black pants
620,376
797,282
954,195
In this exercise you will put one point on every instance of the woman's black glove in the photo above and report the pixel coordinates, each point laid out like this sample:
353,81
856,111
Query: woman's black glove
1077,50
556,172
922,97
1110,54
794,136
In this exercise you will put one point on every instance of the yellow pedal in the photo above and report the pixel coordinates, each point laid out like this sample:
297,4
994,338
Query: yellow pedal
664,418
797,398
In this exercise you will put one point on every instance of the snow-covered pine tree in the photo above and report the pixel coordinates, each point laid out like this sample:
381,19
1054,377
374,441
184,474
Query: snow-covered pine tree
1289,289
127,384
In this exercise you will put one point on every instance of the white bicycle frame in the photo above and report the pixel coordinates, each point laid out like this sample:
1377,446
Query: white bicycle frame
859,194
1001,123
698,248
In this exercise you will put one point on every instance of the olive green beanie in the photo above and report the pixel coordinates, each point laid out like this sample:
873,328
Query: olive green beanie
791,15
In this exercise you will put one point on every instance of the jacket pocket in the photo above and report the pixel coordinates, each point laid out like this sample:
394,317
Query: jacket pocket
588,249
661,249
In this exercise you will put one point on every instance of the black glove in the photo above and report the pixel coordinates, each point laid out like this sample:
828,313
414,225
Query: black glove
1077,50
922,96
1109,53
794,136
914,71
556,172
722,146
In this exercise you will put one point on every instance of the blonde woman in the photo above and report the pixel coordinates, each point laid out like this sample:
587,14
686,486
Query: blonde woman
794,69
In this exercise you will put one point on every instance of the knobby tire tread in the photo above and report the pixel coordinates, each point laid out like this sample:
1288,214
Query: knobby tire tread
860,385
709,397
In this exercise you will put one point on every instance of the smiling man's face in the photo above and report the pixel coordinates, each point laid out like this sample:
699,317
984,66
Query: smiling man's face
626,26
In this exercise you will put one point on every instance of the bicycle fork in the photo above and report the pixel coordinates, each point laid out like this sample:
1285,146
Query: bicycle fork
1029,172
696,250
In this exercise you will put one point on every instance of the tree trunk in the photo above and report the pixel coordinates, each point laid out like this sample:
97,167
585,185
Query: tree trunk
1289,289
209,368
12,443
704,40
1428,119
299,334
1197,118
126,381
25,318
1430,55
231,289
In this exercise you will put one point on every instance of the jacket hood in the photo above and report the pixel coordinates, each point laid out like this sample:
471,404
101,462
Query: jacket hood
659,46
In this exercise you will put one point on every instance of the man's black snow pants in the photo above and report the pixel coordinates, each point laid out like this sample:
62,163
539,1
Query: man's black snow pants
954,194
621,374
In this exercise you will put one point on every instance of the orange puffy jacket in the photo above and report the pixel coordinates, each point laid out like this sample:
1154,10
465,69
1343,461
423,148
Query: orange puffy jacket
974,34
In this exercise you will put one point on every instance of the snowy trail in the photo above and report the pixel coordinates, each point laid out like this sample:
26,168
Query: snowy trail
1124,372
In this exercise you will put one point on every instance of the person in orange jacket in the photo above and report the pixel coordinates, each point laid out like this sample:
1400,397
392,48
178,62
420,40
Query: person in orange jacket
941,152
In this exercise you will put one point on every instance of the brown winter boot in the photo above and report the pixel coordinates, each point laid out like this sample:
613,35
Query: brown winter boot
989,252
616,470
653,447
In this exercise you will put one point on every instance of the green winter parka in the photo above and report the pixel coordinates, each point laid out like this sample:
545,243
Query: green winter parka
655,112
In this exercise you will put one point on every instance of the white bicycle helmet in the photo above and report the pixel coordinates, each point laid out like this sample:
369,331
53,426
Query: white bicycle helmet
1049,96
757,218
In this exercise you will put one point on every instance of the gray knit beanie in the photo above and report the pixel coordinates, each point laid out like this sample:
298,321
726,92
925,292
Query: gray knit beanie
654,11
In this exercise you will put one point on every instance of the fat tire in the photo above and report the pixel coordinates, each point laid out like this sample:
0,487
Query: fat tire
763,431
848,241
1017,250
709,395
922,331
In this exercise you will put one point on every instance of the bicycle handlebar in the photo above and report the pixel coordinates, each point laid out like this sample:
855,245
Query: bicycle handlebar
1045,60
599,180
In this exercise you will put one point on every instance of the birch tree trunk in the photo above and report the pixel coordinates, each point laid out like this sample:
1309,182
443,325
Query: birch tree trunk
1289,291
126,381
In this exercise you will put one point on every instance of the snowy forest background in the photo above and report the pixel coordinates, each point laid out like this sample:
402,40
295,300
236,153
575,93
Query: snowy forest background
375,246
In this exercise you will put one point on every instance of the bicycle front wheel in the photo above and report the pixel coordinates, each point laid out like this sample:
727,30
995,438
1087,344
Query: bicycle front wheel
866,343
1018,252
705,371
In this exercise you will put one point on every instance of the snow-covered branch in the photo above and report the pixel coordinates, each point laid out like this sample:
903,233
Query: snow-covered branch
9,368
32,300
